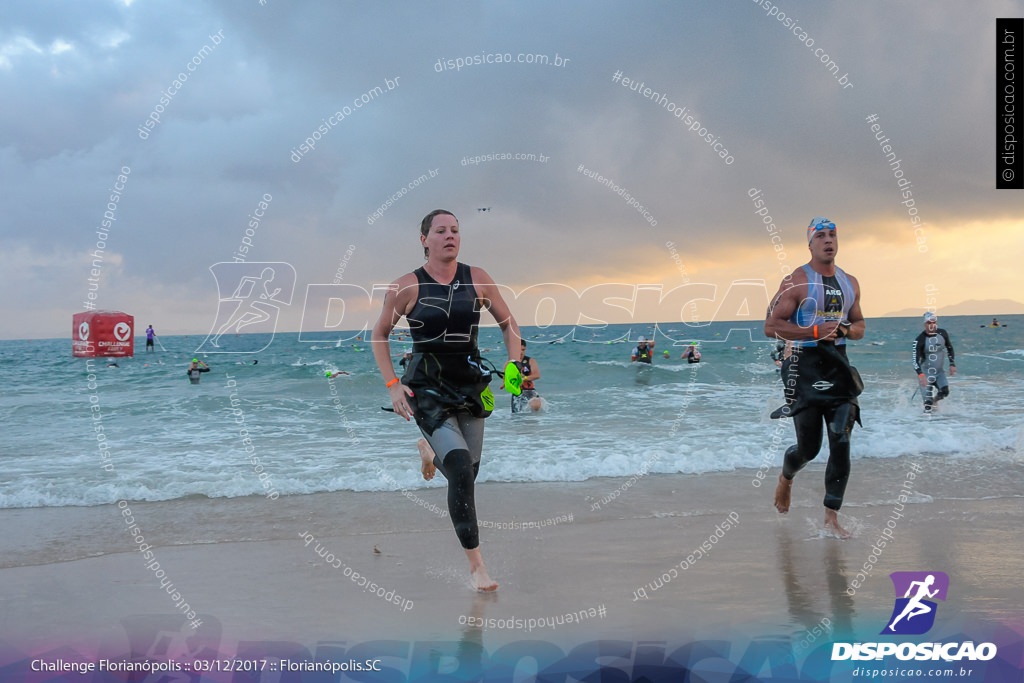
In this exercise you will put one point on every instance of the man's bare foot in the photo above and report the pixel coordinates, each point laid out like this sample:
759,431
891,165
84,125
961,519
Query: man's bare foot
832,524
427,457
481,580
782,494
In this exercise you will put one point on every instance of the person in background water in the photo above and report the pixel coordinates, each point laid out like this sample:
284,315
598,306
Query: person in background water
195,369
930,350
529,398
644,351
150,335
691,354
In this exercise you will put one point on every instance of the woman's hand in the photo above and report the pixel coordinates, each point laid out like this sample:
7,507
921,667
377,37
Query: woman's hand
399,399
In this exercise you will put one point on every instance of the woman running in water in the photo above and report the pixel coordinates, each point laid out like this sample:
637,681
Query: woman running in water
445,387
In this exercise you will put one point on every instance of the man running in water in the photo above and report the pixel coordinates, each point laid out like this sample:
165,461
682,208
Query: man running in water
644,351
930,350
529,398
817,308
195,369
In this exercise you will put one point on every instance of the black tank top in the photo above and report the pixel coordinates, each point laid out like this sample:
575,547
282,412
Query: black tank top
527,383
833,297
446,317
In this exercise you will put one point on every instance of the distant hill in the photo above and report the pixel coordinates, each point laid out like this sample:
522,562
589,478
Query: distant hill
995,307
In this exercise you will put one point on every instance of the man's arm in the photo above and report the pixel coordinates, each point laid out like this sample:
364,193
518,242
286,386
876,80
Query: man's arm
777,324
856,319
949,351
918,354
534,370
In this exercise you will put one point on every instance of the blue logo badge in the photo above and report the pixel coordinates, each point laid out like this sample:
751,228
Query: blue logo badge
914,612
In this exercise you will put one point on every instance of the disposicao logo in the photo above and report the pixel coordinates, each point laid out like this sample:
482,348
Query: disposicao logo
914,614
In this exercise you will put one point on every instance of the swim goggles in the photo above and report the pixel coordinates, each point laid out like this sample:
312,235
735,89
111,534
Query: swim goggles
819,224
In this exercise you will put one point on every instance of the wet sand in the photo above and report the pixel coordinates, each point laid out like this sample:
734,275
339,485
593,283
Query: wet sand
677,557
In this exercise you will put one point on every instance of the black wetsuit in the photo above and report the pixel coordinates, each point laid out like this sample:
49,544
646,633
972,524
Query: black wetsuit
450,393
643,354
822,388
929,360
193,374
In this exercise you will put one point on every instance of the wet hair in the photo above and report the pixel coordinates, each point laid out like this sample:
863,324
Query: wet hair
428,219
523,342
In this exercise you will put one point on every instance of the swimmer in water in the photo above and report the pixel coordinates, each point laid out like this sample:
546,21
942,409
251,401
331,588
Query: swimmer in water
817,308
195,369
529,398
930,350
445,386
644,351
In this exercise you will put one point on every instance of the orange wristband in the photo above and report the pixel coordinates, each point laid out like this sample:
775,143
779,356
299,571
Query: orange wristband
388,385
815,331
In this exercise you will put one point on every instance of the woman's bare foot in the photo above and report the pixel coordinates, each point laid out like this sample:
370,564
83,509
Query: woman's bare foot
478,573
783,494
481,580
832,524
427,457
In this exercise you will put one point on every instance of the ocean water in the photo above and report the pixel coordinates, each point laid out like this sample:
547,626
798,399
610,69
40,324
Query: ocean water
166,439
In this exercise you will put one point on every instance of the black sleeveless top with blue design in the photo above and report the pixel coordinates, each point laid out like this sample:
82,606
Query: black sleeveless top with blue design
446,317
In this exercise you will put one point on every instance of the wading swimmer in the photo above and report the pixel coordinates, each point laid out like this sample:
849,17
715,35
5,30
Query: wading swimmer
817,308
529,399
930,350
195,370
644,351
445,384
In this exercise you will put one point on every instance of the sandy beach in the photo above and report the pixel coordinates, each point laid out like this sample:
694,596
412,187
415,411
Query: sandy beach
674,558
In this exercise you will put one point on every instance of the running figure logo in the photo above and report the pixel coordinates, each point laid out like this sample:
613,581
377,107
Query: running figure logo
257,292
914,613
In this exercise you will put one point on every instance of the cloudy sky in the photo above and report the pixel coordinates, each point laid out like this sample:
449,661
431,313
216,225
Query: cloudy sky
79,80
